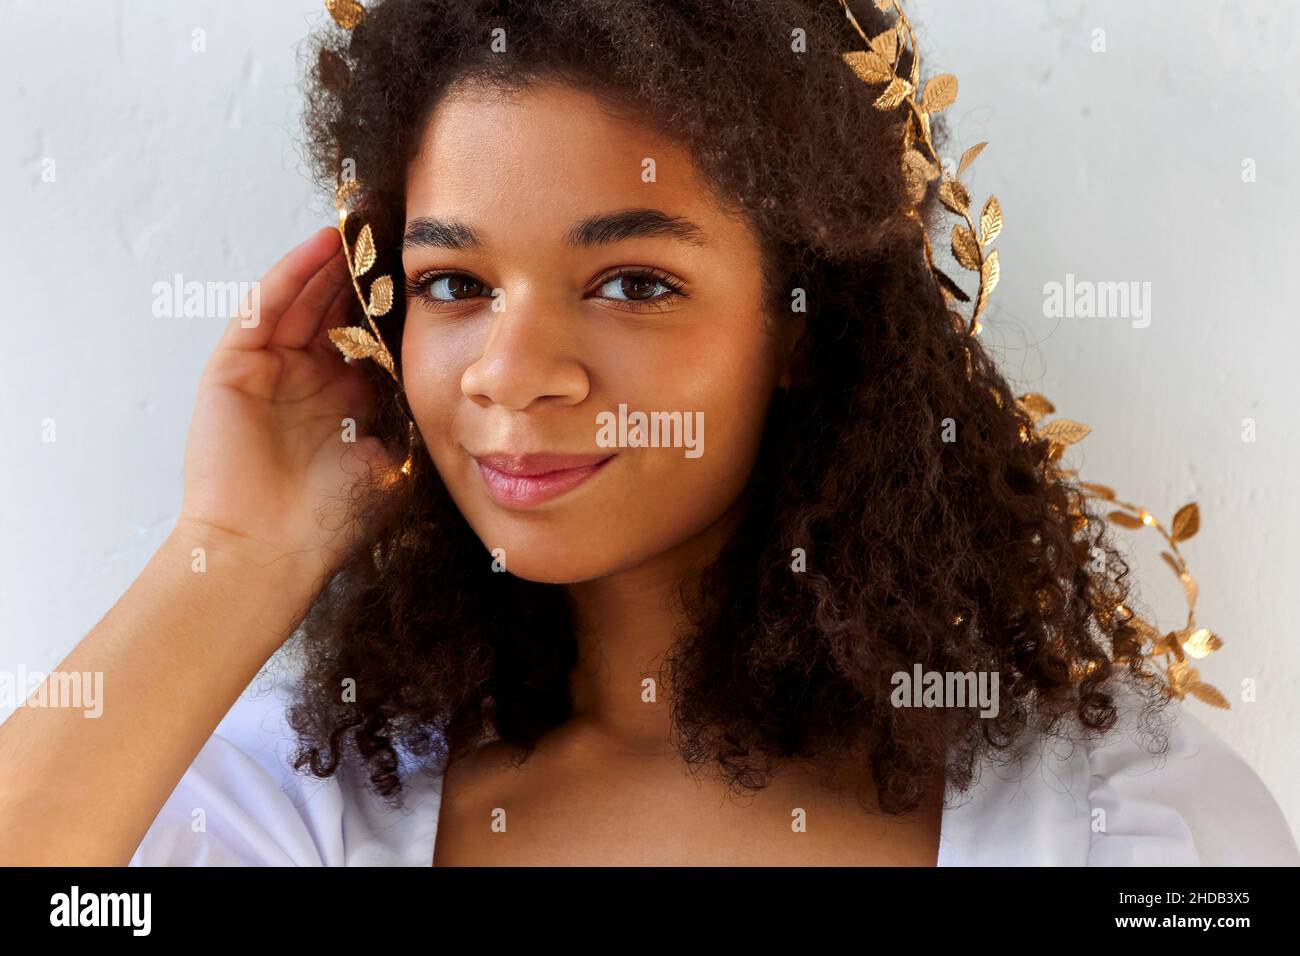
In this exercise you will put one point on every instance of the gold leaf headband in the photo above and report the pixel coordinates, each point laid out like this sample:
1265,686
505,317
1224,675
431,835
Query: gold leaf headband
879,64
356,342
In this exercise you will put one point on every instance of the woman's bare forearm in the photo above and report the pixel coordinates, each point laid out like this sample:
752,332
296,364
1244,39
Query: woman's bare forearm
173,655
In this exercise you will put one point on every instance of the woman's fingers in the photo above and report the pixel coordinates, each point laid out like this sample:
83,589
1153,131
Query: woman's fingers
337,315
302,322
276,292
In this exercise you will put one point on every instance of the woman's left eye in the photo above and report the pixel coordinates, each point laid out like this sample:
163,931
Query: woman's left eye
640,287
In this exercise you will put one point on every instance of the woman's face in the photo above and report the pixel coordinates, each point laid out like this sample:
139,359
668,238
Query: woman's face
581,266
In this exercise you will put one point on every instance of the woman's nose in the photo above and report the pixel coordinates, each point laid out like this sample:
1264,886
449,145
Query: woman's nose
528,355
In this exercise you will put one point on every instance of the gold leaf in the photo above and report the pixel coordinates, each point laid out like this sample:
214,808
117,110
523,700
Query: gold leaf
1036,405
915,159
1202,643
990,221
869,66
915,188
1173,565
1124,520
357,343
1186,522
954,195
1189,587
884,5
940,92
1065,431
968,157
917,171
989,275
885,45
381,296
1182,676
1102,491
332,70
1209,695
354,342
346,13
897,91
964,248
346,190
364,253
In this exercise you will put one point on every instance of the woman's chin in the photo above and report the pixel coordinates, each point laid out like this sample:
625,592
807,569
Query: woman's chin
540,570
554,557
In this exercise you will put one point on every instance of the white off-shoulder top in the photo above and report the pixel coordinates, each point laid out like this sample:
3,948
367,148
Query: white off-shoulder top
241,804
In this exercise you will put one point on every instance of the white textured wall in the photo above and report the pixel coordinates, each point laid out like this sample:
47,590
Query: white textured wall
1123,165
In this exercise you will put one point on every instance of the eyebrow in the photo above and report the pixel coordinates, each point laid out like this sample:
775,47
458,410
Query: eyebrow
599,230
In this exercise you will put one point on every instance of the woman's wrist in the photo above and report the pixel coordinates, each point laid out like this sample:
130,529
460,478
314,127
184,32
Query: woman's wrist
242,573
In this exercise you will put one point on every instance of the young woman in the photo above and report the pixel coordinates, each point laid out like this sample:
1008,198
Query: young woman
548,637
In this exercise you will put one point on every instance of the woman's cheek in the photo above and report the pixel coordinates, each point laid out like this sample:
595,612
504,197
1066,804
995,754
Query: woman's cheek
723,406
432,368
430,356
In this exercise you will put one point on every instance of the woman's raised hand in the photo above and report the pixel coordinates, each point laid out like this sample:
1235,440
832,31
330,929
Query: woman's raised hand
267,465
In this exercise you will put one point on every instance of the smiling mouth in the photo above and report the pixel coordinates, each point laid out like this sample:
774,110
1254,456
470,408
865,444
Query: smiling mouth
528,480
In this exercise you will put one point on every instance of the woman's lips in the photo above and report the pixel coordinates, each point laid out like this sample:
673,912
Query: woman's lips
526,480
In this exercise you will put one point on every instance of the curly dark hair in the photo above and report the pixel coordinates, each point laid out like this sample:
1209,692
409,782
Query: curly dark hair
961,556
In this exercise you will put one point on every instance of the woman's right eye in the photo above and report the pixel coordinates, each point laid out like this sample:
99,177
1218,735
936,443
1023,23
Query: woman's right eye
444,287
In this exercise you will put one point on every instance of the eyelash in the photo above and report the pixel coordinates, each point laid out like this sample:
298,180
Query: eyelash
418,288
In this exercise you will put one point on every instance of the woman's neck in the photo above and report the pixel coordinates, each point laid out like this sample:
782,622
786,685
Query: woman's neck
624,624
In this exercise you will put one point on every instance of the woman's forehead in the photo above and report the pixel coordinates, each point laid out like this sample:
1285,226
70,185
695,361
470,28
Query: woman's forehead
546,142
551,161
